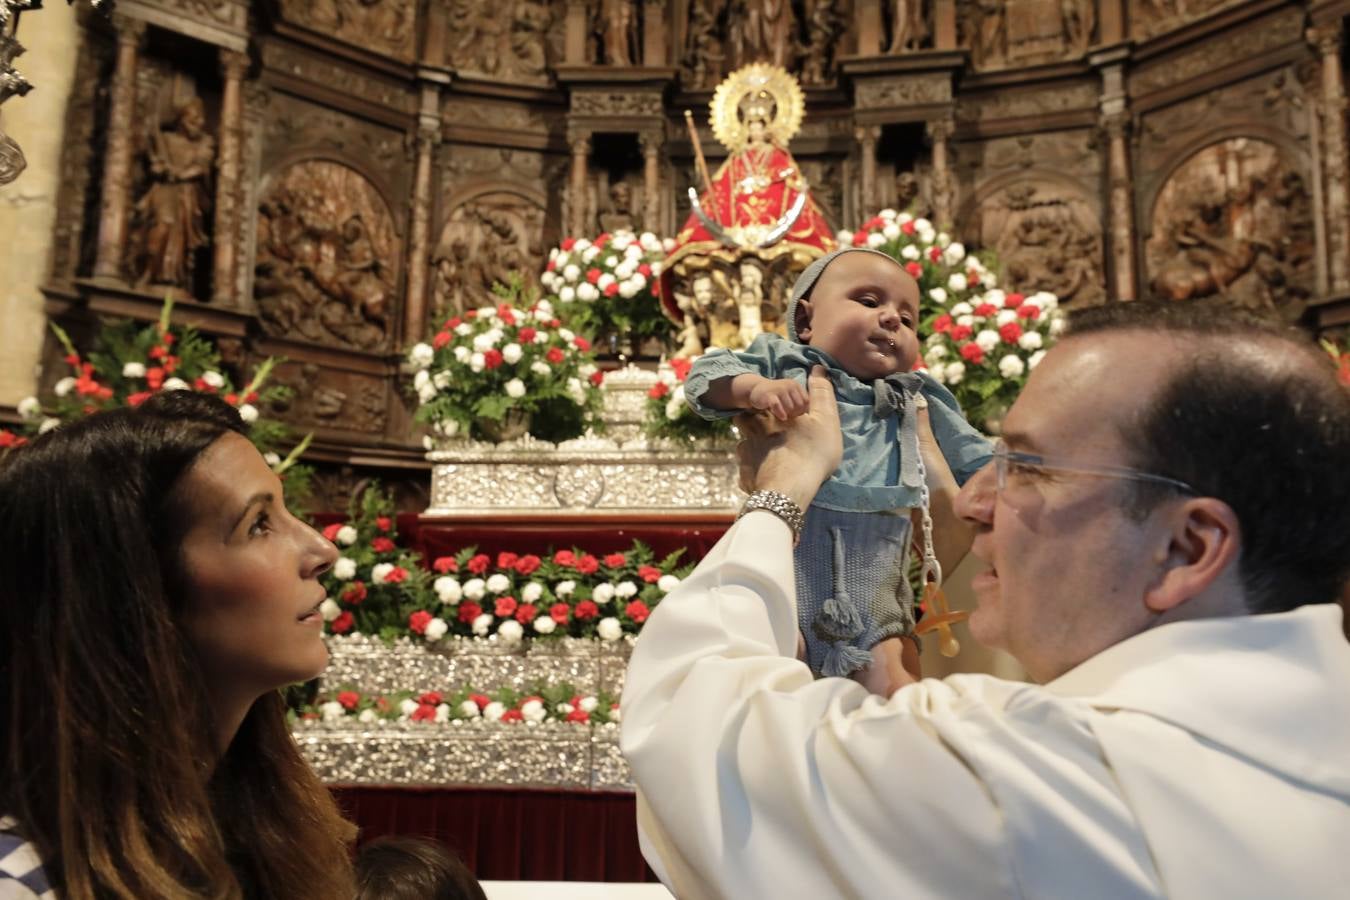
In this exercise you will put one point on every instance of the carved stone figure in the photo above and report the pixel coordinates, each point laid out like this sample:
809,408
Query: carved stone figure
762,31
508,38
171,214
618,30
1002,33
749,302
1047,239
703,52
620,213
1080,21
487,241
325,255
909,26
689,339
989,34
385,26
825,25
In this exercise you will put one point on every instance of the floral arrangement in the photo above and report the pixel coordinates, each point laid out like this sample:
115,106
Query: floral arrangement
131,363
610,285
668,416
982,341
541,703
1340,359
496,366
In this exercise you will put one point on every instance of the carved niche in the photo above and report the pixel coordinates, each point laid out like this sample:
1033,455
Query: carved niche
515,40
1233,224
722,36
1047,237
327,257
493,233
1007,33
384,26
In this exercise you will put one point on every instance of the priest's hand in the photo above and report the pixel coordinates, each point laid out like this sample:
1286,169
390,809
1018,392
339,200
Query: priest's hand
793,457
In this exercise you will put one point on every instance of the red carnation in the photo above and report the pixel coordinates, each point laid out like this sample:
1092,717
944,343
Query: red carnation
492,358
554,355
587,609
555,323
942,323
874,222
167,337
343,623
469,611
72,358
960,332
559,612
138,398
384,523
588,564
568,243
445,565
659,390
419,621
1010,332
155,378
441,339
156,352
354,593
481,699
611,289
565,558
507,316
171,363
649,574
232,399
201,385
592,275
506,607
382,545
430,697
349,699
681,368
1027,311
479,564
914,269
526,612
578,715
935,254
972,352
597,377
581,343
859,238
614,560
644,270
908,227
1012,301
986,309
424,713
527,335
637,611
471,314
397,575
602,240
513,715
506,560
331,531
454,322
527,564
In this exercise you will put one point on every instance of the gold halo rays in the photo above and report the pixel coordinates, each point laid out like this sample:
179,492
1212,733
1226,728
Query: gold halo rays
765,86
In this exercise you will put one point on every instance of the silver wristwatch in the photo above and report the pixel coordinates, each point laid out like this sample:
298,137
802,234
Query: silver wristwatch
780,505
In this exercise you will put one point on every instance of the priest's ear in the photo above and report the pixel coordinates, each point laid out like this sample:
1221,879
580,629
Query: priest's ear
801,320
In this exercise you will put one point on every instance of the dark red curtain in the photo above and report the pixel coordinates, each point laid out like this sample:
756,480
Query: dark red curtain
511,835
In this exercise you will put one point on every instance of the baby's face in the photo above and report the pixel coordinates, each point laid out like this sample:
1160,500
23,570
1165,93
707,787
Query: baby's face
864,312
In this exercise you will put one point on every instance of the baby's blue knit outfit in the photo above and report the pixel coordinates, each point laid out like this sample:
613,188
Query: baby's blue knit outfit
851,560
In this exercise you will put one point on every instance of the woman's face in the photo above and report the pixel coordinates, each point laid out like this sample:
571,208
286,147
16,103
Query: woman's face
251,571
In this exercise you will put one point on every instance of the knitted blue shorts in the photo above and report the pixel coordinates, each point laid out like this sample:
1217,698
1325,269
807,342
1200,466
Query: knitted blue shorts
851,586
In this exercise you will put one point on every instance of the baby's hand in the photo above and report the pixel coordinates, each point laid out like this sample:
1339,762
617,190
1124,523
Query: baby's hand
783,397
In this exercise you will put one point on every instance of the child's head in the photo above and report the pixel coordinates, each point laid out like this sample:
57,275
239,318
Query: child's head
411,868
862,308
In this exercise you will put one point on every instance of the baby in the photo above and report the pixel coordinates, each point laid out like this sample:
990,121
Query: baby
856,312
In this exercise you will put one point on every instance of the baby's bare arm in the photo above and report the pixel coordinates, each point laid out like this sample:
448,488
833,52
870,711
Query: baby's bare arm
783,397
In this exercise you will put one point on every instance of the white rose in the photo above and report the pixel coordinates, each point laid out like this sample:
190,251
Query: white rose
176,384
938,295
367,716
987,340
344,569
891,232
954,373
380,572
214,379
497,583
1011,366
1035,359
957,282
475,588
510,631
533,711
909,252
447,589
329,610
64,386
625,590
408,707
249,413
543,624
571,272
48,424
566,295
954,253
1030,340
515,389
609,629
493,711
482,625
477,362
532,592
876,239
469,709
962,309
603,593
511,353
421,355
133,370
668,583
332,711
436,629
588,704
564,588
29,408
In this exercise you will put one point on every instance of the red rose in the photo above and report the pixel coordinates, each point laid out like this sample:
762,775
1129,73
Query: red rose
343,623
592,275
506,560
644,270
914,269
597,377
1010,332
397,575
382,545
972,352
554,355
637,611
588,564
469,611
559,612
445,565
527,335
479,564
960,332
527,564
568,243
614,560
349,699
424,713
908,227
649,574
513,715
441,339
587,609
138,398
611,289
581,343
419,621
659,390
986,309
565,558
526,612
331,531
1027,311
578,715
384,523
354,593
506,607
492,358
942,323
430,697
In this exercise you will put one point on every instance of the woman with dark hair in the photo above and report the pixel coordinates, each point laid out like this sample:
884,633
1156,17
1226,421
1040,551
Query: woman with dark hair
155,593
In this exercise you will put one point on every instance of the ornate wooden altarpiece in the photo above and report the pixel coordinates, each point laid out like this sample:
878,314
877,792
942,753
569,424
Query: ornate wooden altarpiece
316,178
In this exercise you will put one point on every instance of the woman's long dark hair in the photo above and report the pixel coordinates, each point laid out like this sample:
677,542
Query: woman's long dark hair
107,757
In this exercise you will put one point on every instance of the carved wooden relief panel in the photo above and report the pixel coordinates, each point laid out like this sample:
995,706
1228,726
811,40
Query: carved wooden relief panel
327,257
384,26
513,40
1152,17
805,38
1003,34
328,398
493,232
1233,223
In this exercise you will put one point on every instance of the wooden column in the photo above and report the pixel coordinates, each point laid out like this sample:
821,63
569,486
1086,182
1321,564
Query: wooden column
225,232
654,33
116,199
943,196
868,17
944,25
1120,205
581,150
419,234
651,180
1327,39
574,33
867,136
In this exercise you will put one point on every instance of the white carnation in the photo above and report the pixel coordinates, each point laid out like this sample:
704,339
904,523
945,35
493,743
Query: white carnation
133,370
329,610
564,588
845,238
571,272
64,386
543,624
511,353
935,353
483,342
29,408
1035,359
482,625
515,389
954,373
909,252
421,355
475,588
539,367
443,713
967,320
332,711
876,239
408,707
625,590
176,384
497,583
510,632
609,629
344,569
463,329
272,459
493,711
588,704
248,412
1056,325
469,709
448,589
987,340
954,253
533,711
477,362
603,593
962,309
532,592
957,282
668,583
1011,366
48,424
1030,340
1005,316
461,353
566,335
891,232
587,292
367,716
566,295
380,571
938,295
214,379
436,629
614,714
